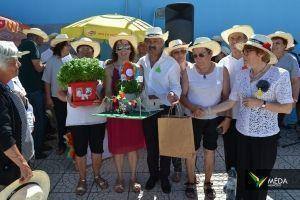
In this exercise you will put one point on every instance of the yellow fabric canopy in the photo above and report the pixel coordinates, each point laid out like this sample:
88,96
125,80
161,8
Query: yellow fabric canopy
103,26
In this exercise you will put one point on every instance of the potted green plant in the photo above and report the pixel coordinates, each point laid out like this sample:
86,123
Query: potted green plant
81,76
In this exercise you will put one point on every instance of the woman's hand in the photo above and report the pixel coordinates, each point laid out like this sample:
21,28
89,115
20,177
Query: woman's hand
252,102
198,112
97,102
69,100
225,125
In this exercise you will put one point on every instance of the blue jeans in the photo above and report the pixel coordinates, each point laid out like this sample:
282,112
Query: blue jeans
37,101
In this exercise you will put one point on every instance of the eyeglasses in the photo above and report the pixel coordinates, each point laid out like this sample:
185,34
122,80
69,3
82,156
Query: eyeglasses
123,47
200,55
179,52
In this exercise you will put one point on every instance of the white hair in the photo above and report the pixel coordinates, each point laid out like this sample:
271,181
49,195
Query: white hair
3,61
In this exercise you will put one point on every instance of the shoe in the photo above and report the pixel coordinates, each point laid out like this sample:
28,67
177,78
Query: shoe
101,182
150,184
81,187
209,191
46,147
165,186
190,190
40,155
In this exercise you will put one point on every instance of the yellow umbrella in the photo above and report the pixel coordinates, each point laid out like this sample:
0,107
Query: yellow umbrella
103,26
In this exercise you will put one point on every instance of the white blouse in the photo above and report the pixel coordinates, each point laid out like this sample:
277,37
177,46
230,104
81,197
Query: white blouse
260,122
205,92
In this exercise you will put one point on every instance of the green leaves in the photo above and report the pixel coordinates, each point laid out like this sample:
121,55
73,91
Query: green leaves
130,87
83,69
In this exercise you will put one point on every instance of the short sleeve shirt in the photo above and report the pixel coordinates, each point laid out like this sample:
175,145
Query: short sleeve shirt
257,121
50,73
290,63
29,77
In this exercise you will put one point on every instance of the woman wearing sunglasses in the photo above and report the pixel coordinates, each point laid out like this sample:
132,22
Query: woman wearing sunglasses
204,84
262,91
125,136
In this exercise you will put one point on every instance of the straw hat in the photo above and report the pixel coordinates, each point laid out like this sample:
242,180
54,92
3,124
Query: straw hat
156,32
245,29
60,38
38,32
122,36
262,42
286,36
37,188
87,41
176,44
205,42
9,49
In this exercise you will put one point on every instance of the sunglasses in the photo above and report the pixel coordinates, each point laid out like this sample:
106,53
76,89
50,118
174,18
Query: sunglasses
123,47
179,52
200,55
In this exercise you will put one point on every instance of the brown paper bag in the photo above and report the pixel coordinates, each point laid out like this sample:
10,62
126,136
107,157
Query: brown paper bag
175,135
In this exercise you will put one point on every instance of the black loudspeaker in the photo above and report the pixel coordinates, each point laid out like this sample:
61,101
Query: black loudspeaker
179,21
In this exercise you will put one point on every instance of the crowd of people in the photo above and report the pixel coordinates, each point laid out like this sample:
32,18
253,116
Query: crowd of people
241,92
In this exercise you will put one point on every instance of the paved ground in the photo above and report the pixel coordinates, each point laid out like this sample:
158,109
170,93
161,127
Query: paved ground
64,177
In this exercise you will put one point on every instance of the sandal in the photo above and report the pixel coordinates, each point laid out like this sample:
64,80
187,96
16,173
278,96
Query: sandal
81,187
101,182
209,192
190,190
135,186
119,187
176,177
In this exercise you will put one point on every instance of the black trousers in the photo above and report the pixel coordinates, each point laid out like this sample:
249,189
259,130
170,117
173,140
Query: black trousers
159,166
230,146
60,109
254,153
177,164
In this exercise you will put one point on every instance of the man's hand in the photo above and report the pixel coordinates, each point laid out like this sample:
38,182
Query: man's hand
173,98
26,172
225,125
252,102
49,103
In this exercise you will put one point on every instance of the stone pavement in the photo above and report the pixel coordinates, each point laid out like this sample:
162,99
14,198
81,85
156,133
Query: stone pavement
64,177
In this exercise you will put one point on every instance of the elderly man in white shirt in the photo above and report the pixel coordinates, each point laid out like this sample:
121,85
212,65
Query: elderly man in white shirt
162,83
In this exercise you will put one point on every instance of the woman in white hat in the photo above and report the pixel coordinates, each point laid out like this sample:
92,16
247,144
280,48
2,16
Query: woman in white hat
205,84
61,49
178,50
262,91
124,136
87,130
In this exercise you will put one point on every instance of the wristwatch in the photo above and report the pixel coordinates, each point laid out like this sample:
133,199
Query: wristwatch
264,104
